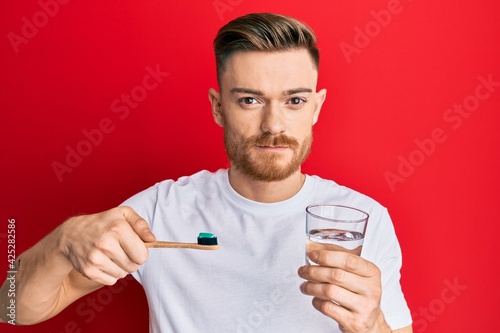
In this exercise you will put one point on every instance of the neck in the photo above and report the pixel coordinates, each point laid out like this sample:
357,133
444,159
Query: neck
266,192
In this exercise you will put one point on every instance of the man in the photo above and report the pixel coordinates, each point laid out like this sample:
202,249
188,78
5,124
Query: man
267,67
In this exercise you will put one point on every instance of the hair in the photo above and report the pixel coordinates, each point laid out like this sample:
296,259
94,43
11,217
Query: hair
263,32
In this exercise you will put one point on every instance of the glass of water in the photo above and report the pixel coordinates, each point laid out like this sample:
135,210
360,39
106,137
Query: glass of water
336,228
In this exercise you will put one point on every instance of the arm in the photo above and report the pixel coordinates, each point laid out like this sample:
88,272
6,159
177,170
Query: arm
348,289
80,256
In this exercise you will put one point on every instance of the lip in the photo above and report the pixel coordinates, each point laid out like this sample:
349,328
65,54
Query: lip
273,148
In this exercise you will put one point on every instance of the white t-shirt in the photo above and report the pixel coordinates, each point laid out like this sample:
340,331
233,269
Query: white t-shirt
250,284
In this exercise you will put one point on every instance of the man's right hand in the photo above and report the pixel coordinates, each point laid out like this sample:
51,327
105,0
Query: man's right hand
105,247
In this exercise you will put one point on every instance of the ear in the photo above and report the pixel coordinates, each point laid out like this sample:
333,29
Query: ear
215,100
320,99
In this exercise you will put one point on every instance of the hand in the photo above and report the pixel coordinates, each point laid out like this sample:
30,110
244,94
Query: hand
346,288
107,246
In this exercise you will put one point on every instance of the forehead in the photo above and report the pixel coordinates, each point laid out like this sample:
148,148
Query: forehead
270,71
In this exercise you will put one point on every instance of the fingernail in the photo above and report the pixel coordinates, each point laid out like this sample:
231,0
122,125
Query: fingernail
314,256
303,287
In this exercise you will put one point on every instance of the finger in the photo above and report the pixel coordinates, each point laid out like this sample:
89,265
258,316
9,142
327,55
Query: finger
121,258
132,239
348,320
101,269
333,293
345,261
138,224
109,267
100,277
334,276
122,245
124,262
131,246
335,311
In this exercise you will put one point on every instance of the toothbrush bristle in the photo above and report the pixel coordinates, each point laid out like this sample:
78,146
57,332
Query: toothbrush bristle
206,238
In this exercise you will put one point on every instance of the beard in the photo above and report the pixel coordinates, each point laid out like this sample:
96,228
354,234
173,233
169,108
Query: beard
265,166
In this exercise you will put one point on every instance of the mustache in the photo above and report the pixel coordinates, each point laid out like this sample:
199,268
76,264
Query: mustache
269,140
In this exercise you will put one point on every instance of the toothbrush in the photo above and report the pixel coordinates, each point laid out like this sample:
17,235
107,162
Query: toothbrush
206,241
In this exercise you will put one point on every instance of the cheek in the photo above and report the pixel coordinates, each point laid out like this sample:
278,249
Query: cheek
302,130
303,119
235,132
242,125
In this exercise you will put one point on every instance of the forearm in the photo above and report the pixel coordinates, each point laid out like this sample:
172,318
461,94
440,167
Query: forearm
41,282
80,256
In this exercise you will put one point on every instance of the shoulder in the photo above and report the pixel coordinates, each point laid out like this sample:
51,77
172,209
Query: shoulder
199,179
332,191
184,189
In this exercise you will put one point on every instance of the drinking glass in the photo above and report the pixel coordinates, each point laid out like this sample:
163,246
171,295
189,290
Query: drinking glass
336,228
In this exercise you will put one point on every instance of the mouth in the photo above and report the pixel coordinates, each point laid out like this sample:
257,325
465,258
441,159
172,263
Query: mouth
277,148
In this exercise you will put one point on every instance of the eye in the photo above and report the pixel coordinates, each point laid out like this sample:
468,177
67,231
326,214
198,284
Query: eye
247,100
296,101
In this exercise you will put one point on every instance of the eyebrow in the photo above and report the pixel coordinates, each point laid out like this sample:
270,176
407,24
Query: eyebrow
260,93
297,91
247,91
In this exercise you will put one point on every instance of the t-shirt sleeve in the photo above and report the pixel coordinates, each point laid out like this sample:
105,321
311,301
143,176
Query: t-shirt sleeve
388,258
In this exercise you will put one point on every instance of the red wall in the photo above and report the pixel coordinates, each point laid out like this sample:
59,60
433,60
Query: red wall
410,120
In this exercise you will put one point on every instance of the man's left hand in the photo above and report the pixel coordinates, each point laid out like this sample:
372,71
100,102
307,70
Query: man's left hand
346,288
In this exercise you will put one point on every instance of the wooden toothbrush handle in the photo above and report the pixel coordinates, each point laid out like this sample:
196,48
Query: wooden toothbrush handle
178,245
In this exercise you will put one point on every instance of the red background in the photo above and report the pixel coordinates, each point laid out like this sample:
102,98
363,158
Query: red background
395,90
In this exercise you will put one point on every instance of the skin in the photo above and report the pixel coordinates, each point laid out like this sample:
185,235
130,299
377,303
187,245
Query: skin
346,278
80,256
275,94
270,108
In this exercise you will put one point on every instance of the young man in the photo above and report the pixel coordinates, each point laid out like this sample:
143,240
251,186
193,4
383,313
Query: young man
267,68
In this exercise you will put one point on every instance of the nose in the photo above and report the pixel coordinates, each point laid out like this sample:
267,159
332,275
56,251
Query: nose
273,119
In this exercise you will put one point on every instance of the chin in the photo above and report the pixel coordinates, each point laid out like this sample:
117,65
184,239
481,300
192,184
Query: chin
272,174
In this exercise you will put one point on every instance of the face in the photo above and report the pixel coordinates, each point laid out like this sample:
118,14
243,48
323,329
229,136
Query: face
267,105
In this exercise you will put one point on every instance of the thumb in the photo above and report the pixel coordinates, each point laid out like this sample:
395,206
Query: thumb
138,224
